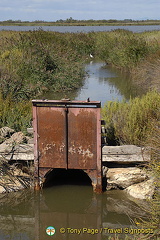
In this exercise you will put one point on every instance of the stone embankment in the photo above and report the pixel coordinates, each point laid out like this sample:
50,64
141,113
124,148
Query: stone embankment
123,166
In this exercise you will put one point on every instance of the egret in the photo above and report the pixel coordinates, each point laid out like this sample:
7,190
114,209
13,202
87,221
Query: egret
91,56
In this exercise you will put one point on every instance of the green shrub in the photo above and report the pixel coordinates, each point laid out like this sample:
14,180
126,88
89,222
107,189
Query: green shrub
132,121
15,115
37,61
121,48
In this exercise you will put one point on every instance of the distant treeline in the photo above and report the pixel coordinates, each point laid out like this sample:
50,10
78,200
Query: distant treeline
71,21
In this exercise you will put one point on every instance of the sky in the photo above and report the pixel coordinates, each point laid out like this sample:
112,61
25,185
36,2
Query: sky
52,10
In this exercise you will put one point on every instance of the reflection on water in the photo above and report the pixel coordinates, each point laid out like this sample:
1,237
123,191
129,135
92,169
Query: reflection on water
124,83
105,83
17,217
102,83
26,215
97,87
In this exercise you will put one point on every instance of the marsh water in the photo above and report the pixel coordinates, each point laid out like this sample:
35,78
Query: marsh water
75,29
73,210
101,83
71,206
105,83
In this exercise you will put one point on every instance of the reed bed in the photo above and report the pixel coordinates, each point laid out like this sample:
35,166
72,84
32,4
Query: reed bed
33,62
135,53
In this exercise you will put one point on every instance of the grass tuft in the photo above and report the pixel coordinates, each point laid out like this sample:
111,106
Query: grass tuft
131,121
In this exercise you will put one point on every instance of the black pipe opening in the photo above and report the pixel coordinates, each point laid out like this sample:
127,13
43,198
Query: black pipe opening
66,177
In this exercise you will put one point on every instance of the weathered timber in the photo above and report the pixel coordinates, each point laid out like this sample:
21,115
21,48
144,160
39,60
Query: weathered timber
116,154
125,154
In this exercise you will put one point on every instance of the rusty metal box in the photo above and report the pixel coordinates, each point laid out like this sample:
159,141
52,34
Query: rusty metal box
67,134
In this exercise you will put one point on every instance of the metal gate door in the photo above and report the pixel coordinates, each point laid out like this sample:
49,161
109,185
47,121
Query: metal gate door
51,137
67,134
82,138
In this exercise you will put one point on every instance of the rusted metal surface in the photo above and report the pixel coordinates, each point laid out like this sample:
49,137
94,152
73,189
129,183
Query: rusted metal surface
36,162
51,137
67,134
82,135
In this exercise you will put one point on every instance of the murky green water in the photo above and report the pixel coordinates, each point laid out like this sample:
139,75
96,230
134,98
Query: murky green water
73,210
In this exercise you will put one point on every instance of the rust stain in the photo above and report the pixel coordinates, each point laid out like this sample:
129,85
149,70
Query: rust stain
51,139
68,137
82,138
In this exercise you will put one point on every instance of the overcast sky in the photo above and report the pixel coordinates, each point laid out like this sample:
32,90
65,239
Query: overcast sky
52,10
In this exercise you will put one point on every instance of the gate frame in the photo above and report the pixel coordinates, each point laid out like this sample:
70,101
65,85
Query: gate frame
40,172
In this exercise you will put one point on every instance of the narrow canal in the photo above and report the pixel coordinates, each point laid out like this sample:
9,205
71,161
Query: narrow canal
101,83
70,206
105,83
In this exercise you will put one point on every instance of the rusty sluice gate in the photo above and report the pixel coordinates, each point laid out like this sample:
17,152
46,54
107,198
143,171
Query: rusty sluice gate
67,134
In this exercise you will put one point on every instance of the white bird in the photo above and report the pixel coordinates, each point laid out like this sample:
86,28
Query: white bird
91,56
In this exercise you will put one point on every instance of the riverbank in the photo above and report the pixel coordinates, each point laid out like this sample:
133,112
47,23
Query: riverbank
15,175
74,22
138,121
37,61
134,53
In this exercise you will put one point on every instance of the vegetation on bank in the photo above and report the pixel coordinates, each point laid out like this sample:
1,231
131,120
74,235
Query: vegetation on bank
73,22
136,53
37,61
121,48
138,122
15,115
132,122
34,62
153,142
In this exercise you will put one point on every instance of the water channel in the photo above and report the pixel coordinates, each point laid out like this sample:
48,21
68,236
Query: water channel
25,215
101,83
71,204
